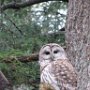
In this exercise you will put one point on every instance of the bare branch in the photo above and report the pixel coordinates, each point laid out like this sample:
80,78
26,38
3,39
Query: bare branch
13,23
30,58
14,5
60,31
3,81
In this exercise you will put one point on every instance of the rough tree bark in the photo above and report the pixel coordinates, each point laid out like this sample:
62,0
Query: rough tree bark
78,40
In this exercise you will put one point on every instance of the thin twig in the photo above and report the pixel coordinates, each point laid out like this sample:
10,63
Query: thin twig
12,23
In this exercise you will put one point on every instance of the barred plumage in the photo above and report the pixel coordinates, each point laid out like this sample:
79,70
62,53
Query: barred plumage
56,71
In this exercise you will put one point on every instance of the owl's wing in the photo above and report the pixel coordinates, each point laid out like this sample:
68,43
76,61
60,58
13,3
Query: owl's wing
65,75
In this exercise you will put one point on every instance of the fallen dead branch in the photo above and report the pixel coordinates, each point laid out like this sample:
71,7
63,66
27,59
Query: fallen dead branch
24,59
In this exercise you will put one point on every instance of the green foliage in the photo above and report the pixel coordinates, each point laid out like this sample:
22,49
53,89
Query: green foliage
18,72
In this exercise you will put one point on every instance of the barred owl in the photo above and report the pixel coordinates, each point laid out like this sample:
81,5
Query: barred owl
57,73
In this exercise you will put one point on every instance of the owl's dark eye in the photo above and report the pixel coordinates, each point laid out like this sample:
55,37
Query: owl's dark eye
47,52
56,51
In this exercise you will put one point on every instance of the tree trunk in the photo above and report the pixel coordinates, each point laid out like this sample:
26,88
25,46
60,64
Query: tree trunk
78,40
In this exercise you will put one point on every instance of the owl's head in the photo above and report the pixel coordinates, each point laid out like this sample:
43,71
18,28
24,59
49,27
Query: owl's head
51,52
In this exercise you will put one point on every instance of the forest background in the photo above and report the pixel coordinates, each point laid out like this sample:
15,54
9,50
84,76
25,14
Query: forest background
23,31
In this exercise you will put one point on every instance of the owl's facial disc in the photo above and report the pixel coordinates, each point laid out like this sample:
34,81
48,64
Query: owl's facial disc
51,52
45,53
58,53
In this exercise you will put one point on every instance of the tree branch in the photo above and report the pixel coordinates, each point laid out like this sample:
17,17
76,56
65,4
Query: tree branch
15,5
7,17
24,59
3,81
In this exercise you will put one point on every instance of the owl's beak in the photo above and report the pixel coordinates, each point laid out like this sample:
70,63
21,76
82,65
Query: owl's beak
52,57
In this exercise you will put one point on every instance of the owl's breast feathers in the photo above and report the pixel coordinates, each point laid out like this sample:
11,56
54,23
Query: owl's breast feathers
65,74
60,74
